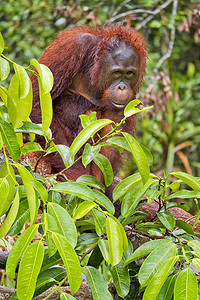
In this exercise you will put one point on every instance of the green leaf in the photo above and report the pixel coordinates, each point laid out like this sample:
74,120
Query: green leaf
196,262
40,189
188,179
115,241
126,185
74,188
4,69
24,81
27,179
10,140
167,219
19,248
50,226
123,234
89,153
70,260
64,222
121,279
64,296
186,287
100,221
86,133
133,197
153,262
29,127
91,181
105,166
4,189
184,194
95,258
83,209
10,218
145,249
158,279
45,81
1,44
131,108
118,142
97,283
86,120
167,289
185,226
195,245
31,147
139,157
29,269
64,153
7,172
104,247
104,201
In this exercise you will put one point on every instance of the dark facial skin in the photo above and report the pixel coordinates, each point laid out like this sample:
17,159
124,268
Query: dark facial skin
120,74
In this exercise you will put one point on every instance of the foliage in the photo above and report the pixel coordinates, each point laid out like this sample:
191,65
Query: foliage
96,245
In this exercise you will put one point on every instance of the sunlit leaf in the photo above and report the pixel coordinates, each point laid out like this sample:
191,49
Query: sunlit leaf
105,166
188,179
83,209
186,287
4,69
91,181
167,219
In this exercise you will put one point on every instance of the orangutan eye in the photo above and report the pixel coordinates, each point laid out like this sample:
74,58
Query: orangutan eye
129,73
117,73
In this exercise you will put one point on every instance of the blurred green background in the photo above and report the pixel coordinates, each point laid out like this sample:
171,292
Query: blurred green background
171,130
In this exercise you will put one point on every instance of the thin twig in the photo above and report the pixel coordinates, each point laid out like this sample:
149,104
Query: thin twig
171,43
154,13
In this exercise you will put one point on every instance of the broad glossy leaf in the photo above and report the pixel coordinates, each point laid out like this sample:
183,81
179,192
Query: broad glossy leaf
167,289
159,278
95,258
70,260
89,153
31,147
4,190
123,233
184,194
40,189
188,179
50,226
10,218
7,172
104,247
10,140
45,81
83,209
64,153
131,107
24,81
91,181
87,239
145,249
167,219
23,106
30,191
74,188
1,43
64,222
29,269
133,197
29,127
195,245
4,69
186,287
139,157
126,185
22,217
19,248
196,262
104,201
115,241
100,221
153,262
185,226
121,279
97,283
86,120
105,166
86,133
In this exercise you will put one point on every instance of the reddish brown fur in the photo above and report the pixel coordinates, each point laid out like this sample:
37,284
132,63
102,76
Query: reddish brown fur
68,55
